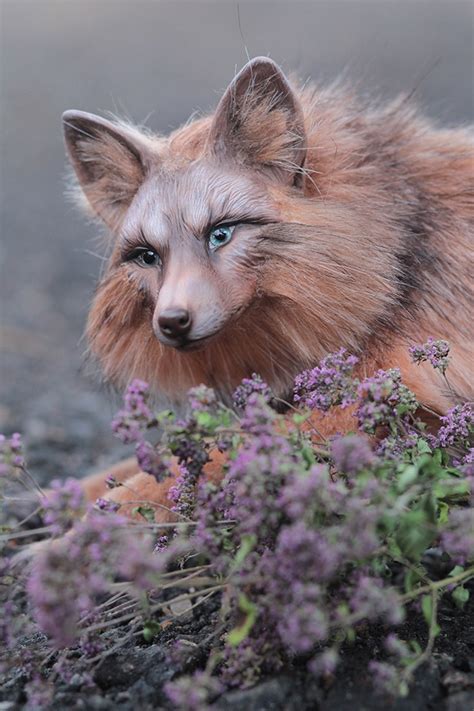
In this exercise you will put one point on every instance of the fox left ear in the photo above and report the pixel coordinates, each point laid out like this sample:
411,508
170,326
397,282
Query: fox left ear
259,122
110,161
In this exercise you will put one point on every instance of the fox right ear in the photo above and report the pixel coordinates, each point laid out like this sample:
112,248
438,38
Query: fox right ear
110,162
259,122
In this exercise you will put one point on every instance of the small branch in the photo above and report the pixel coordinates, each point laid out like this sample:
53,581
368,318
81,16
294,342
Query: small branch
33,481
438,585
433,629
154,608
24,534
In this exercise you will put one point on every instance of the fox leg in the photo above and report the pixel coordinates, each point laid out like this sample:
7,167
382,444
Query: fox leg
143,489
95,485
339,421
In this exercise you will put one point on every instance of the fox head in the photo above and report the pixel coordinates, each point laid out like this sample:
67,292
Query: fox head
220,264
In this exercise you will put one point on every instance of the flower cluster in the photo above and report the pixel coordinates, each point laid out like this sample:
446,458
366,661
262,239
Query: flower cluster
136,416
351,454
11,454
384,401
183,493
457,428
458,537
433,351
306,544
193,693
248,387
151,460
63,505
328,384
70,573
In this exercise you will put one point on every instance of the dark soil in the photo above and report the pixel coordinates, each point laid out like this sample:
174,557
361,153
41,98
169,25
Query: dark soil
134,676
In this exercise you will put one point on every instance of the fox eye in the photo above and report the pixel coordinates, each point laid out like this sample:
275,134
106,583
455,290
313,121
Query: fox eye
147,258
219,236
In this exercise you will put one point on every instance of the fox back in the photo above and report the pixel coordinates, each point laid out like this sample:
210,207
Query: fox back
287,224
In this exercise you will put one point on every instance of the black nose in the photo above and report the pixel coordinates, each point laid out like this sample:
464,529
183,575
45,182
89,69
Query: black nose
175,323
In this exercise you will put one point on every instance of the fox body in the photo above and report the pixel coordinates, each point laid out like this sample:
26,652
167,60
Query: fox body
290,222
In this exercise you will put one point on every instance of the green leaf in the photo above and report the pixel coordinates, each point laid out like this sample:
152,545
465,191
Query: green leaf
298,418
451,488
150,629
456,571
147,512
415,646
422,446
308,456
443,512
403,689
165,415
416,529
238,634
427,608
246,546
460,596
412,578
408,477
350,635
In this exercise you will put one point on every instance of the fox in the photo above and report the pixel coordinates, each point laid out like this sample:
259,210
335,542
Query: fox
290,222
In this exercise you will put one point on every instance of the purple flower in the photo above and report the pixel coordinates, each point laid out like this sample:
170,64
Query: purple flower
183,493
351,454
385,677
135,417
436,352
161,543
457,427
396,646
201,398
68,575
106,505
254,480
63,505
383,401
305,492
258,417
248,387
11,454
329,383
458,537
261,653
303,553
324,663
111,482
151,461
371,599
193,693
305,622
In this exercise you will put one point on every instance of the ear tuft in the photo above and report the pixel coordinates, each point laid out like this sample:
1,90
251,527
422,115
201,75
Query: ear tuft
109,160
259,121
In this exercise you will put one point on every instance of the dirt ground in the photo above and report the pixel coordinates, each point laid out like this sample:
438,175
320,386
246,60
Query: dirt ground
162,60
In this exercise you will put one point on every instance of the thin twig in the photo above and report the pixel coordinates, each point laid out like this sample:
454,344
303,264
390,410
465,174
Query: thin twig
24,534
433,631
154,608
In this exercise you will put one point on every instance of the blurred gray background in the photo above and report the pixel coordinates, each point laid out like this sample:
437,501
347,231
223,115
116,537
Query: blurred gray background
160,60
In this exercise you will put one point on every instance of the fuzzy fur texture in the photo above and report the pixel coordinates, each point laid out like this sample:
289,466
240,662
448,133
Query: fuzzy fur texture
354,226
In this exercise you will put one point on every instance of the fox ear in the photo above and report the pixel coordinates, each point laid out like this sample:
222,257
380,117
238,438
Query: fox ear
110,162
259,121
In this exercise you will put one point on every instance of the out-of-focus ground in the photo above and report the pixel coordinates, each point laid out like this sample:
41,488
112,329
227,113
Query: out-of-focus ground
160,60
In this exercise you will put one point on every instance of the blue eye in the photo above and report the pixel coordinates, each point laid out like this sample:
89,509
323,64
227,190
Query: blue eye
219,236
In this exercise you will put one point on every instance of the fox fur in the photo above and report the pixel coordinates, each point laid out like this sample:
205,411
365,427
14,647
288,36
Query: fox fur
353,225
